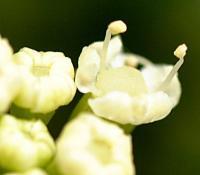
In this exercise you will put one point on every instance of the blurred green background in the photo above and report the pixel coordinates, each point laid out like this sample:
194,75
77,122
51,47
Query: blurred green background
155,28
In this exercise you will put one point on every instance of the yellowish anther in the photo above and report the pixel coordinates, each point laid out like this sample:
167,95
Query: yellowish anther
131,61
117,27
180,51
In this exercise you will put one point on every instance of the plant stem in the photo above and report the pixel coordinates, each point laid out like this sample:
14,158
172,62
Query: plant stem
82,106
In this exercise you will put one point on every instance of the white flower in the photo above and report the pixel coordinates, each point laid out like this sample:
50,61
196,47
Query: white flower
35,171
47,80
122,93
24,144
89,145
9,76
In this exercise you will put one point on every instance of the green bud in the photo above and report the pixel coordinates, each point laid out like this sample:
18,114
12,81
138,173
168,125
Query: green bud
24,144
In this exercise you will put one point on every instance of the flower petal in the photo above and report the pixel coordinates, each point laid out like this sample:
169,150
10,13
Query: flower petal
158,106
114,48
115,106
124,109
89,64
154,76
5,51
10,82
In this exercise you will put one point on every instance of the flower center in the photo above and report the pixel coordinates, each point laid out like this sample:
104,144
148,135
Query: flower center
125,79
40,71
101,149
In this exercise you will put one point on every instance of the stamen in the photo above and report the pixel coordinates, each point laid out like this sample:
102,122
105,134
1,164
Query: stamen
180,52
114,28
105,48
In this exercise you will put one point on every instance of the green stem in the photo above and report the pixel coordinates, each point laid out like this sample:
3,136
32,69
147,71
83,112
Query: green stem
82,106
128,128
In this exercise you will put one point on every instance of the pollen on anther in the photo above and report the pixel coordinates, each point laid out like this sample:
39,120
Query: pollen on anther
117,27
180,51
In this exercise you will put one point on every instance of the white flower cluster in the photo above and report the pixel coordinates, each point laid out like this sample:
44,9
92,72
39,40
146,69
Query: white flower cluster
34,84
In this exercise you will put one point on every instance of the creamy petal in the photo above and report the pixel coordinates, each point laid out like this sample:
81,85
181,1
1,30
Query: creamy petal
124,59
10,82
124,109
115,106
88,67
6,51
154,76
114,48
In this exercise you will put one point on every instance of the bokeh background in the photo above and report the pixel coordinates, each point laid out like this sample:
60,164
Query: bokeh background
155,28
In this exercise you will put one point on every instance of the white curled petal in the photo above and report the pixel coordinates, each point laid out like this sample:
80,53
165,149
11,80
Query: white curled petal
114,47
10,82
124,109
157,106
89,63
26,57
9,76
27,94
52,93
117,61
124,59
89,145
116,106
154,75
62,67
5,51
45,94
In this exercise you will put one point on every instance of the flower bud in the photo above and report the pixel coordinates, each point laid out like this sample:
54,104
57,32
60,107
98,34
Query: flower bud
24,144
47,80
89,145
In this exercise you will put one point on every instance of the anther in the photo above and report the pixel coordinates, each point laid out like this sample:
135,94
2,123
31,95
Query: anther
117,27
180,52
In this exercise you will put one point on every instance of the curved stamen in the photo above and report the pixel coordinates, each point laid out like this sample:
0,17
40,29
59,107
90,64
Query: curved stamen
105,48
114,28
180,52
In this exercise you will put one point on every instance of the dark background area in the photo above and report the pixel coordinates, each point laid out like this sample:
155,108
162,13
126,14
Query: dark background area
155,28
